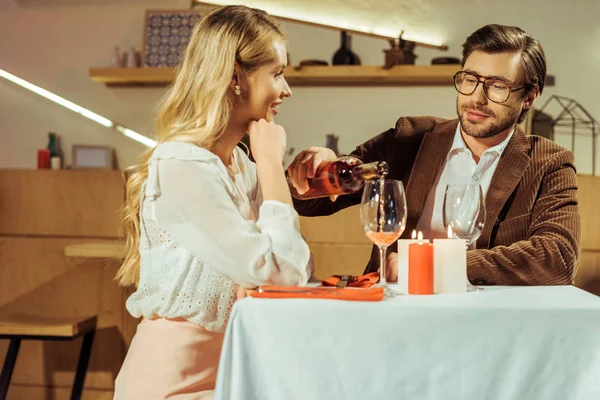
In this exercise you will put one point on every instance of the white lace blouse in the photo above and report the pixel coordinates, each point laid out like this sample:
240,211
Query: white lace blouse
204,232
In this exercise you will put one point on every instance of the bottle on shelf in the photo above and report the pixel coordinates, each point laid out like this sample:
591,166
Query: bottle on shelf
344,175
344,55
116,60
53,148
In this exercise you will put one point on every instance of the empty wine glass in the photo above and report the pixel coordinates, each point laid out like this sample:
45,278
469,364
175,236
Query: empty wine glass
464,213
383,218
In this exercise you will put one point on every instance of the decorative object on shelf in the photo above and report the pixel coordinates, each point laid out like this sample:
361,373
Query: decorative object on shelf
345,55
166,36
93,157
571,118
116,60
332,142
131,59
401,52
54,149
43,159
125,59
445,61
311,63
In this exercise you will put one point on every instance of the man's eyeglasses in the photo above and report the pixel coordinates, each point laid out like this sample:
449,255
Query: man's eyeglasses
495,89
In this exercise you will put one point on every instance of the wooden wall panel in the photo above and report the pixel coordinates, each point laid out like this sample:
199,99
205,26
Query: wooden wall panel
60,203
42,212
339,258
588,273
338,243
589,207
38,279
341,227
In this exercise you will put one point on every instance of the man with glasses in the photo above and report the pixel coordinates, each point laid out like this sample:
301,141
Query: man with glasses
532,229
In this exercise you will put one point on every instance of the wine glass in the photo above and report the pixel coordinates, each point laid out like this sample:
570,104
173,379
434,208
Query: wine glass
463,214
383,218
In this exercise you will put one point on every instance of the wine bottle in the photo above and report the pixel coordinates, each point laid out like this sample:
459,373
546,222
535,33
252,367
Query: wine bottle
55,159
344,55
345,175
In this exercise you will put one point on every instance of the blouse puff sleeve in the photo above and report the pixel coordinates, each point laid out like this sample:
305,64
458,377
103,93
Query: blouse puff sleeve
199,213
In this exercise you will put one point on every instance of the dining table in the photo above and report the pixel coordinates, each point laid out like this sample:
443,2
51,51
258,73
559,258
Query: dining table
517,342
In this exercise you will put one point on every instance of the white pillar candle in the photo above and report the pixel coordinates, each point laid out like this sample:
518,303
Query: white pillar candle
449,265
403,262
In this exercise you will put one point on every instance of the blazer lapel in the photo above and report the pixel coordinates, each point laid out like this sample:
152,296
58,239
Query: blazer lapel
430,158
511,167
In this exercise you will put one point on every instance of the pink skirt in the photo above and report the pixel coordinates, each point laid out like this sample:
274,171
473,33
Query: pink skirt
169,359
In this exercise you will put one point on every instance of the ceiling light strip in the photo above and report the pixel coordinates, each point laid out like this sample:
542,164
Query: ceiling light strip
289,18
77,109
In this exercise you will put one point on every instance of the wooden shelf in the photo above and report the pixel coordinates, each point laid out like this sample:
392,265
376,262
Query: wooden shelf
401,75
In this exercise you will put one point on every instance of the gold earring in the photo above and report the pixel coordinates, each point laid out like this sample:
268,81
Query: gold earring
237,90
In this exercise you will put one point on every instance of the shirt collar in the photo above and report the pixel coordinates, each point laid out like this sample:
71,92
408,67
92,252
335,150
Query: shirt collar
459,143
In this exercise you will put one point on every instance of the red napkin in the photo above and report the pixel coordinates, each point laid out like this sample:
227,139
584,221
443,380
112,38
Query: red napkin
362,281
307,292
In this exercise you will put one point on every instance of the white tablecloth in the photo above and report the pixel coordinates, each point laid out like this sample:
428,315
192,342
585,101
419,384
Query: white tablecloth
523,343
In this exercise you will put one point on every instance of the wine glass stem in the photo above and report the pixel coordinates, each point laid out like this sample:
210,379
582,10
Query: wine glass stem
382,266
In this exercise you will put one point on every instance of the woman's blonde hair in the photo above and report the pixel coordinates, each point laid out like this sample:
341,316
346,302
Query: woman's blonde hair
198,106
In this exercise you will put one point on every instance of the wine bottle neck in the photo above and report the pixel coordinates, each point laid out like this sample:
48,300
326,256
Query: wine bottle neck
374,170
344,39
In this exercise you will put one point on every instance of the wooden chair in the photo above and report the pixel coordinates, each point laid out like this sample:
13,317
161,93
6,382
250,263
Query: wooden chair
28,327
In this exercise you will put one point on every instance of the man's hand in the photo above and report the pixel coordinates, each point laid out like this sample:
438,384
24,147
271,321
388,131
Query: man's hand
306,165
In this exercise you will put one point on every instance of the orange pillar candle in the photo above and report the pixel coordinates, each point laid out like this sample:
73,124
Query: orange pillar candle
420,267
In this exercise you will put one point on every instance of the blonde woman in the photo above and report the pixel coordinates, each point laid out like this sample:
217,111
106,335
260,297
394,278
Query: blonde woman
201,219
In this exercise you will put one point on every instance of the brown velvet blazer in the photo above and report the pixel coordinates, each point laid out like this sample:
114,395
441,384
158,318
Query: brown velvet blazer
532,233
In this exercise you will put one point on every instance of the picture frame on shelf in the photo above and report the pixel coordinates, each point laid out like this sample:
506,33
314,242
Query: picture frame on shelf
93,157
166,36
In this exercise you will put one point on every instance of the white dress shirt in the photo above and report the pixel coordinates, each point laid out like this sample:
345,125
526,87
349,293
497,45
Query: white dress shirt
205,230
459,169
